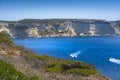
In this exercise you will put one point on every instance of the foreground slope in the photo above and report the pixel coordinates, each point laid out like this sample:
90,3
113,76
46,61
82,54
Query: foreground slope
18,63
7,71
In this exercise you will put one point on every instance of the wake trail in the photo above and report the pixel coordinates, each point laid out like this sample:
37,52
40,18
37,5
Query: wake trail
113,60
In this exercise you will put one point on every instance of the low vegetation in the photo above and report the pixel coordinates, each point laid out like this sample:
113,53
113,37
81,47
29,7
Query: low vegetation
44,21
5,39
68,66
7,72
39,57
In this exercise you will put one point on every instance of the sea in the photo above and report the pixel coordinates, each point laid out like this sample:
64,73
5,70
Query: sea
102,52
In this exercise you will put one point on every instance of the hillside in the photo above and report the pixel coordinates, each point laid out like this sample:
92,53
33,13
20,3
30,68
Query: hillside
18,63
8,72
35,28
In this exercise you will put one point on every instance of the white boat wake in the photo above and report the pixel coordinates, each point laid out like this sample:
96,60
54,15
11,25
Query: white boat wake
117,61
75,55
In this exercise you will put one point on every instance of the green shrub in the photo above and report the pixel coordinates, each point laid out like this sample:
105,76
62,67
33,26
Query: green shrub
55,68
40,57
68,66
83,72
7,72
5,39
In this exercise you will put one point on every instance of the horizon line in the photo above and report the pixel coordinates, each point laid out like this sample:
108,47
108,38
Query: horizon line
61,18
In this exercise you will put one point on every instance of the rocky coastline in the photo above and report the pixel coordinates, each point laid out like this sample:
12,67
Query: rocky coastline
36,28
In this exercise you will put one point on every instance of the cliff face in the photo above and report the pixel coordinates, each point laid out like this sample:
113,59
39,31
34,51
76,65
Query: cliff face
116,26
54,28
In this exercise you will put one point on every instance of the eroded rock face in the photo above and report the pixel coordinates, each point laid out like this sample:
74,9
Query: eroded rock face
57,28
116,26
104,28
81,27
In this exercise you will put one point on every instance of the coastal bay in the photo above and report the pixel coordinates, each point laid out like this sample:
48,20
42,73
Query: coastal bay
97,51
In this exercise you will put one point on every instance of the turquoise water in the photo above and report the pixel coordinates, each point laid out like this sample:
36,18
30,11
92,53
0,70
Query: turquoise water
102,52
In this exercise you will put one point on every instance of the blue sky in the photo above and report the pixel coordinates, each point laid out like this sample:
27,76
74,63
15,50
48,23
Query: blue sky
42,9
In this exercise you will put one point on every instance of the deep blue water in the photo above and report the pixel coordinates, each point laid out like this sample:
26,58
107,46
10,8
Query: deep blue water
92,50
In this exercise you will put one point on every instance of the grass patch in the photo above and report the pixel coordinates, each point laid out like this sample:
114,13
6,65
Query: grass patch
5,39
83,72
40,57
8,72
68,66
